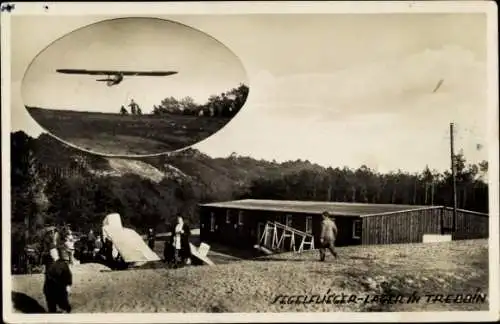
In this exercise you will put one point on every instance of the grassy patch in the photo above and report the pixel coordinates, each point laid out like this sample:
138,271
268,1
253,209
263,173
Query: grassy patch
115,134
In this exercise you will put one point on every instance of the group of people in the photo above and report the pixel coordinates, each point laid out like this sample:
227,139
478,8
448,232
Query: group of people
176,251
99,248
134,109
59,250
94,244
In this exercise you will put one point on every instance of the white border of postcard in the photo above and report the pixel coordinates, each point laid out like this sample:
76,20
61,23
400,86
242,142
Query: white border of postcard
227,8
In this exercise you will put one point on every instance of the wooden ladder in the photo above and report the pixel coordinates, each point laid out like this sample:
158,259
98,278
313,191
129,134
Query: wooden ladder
274,234
305,242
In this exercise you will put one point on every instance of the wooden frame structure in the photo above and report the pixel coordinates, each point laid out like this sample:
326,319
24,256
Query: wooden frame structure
275,233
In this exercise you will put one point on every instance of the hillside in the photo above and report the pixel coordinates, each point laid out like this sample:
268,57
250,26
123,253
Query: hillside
459,267
114,134
57,183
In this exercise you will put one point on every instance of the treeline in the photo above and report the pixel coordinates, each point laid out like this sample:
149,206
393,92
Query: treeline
226,104
364,185
53,184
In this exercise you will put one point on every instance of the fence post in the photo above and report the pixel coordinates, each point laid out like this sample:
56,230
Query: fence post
441,220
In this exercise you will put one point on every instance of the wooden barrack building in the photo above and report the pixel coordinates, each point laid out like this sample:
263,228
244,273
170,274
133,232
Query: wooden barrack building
244,223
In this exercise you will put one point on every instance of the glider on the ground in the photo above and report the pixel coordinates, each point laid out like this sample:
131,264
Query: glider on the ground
115,77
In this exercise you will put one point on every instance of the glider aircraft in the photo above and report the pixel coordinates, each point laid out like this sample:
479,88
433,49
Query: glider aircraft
115,77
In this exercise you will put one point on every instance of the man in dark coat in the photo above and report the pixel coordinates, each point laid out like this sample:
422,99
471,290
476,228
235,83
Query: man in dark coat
91,243
108,250
58,281
151,239
328,236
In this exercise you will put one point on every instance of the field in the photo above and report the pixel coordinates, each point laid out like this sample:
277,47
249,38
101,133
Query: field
114,134
459,267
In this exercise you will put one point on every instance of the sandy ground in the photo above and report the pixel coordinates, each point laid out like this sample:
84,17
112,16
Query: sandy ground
252,285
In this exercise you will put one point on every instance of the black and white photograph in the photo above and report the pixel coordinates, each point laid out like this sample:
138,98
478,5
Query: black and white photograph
242,162
134,86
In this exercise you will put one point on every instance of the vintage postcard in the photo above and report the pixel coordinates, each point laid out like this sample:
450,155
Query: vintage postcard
213,162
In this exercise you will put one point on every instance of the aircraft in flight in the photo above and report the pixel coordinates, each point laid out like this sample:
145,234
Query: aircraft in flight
115,77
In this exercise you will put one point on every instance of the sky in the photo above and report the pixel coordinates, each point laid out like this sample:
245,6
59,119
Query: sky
205,67
335,89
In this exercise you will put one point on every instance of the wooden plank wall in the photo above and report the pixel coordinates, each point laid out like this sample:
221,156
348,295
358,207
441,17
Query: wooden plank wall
410,226
404,227
470,225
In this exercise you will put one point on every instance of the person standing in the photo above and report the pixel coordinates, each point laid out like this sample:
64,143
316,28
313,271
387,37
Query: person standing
168,250
48,244
98,245
91,243
328,235
133,107
180,235
58,282
69,244
151,238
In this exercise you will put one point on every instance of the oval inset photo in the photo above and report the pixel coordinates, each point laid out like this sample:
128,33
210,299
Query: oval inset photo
134,87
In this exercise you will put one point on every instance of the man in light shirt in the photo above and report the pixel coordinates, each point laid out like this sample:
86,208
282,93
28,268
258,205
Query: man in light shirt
180,241
328,235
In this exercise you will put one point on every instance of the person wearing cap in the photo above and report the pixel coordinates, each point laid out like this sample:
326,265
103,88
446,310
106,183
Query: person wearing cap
328,235
58,282
50,243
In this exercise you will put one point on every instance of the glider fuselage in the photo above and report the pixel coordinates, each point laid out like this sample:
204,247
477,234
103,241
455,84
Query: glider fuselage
112,80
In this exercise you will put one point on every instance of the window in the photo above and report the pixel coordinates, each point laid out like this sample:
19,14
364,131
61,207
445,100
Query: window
356,229
212,222
288,221
228,217
309,223
240,218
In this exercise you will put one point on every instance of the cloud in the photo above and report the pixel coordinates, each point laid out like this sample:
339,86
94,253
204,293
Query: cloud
384,86
383,114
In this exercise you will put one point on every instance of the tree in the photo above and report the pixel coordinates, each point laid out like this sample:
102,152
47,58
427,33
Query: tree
483,170
225,104
428,180
188,106
29,202
170,105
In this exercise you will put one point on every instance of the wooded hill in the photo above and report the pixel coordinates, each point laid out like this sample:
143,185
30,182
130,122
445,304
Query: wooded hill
54,184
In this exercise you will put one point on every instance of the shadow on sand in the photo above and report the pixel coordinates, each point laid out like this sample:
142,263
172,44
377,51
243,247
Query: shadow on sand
26,304
281,259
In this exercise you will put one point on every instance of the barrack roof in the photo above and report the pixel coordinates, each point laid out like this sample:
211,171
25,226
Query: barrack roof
316,207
